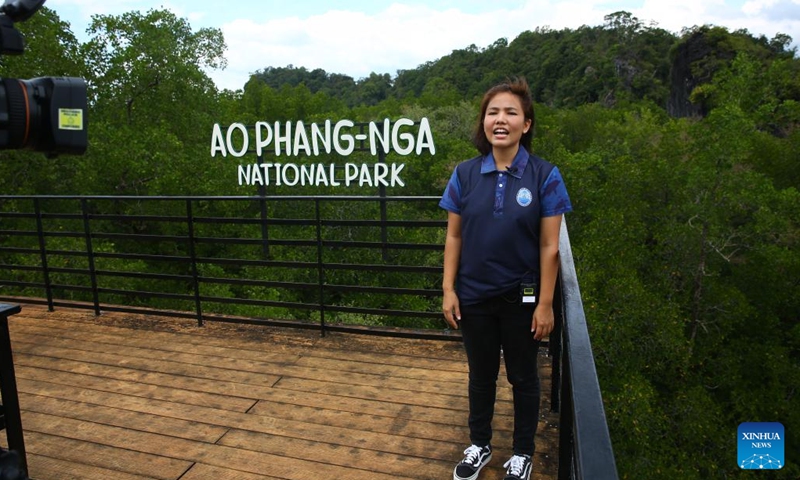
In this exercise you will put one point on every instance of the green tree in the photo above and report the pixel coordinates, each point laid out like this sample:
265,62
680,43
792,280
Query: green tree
154,105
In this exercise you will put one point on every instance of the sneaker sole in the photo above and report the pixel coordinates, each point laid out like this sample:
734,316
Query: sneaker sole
477,472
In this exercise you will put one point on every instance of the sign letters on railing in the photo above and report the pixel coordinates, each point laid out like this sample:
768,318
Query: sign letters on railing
298,140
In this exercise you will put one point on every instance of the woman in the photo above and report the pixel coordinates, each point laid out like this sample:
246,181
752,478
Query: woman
500,265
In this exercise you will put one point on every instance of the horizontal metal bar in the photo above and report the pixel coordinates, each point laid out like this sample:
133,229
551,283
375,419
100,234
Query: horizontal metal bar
259,303
19,233
19,250
383,268
384,290
384,312
387,245
137,218
256,221
139,237
256,241
16,215
21,268
139,275
11,283
258,283
138,293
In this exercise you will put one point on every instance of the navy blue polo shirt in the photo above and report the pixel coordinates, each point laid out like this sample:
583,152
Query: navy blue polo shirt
500,219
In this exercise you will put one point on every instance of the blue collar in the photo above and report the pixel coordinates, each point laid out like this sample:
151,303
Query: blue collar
517,166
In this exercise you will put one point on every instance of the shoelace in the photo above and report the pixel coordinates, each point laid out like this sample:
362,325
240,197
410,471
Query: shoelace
515,465
473,452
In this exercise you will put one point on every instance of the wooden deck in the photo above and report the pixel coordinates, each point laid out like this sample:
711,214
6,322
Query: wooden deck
139,397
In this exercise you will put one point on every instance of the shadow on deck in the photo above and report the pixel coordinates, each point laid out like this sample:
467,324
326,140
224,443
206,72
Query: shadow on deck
125,396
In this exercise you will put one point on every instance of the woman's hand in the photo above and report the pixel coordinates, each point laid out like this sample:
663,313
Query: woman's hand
543,321
451,308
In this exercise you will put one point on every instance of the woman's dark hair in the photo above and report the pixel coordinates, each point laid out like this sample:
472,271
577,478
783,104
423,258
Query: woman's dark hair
519,87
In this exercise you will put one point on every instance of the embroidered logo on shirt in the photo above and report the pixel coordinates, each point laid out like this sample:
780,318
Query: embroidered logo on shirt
524,197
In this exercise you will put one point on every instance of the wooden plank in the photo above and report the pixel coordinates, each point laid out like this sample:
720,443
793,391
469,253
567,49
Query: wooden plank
452,360
345,363
161,330
47,468
149,363
235,390
201,471
404,377
90,454
404,424
425,413
145,386
232,362
211,454
96,411
404,419
169,342
217,368
379,393
398,464
360,435
440,355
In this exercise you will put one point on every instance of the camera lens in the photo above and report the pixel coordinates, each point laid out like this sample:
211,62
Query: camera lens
46,114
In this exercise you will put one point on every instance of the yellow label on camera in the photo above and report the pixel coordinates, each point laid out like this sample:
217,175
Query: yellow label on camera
70,119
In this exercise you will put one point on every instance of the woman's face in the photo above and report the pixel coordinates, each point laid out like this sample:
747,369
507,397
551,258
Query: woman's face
504,122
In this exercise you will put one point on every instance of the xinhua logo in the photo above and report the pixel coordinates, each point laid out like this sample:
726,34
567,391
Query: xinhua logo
761,446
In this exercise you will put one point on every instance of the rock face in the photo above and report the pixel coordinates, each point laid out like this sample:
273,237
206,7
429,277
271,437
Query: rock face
682,81
694,62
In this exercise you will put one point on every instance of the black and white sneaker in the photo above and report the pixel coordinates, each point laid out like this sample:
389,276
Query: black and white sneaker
475,458
519,468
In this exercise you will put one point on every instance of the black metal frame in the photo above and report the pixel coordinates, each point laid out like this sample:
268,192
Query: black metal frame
11,420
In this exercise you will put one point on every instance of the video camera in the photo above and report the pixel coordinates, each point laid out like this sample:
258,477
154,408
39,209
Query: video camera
45,114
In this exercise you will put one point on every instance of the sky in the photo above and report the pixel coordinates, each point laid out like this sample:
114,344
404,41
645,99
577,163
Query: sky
359,37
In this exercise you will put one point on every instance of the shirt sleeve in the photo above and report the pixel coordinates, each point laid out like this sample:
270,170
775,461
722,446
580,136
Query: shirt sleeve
451,199
554,197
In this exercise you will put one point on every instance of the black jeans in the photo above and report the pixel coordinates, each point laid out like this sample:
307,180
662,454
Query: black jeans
486,327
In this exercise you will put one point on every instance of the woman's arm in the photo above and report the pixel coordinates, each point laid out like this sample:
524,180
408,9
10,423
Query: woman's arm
543,318
452,255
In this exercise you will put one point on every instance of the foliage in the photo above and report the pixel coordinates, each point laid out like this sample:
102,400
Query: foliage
680,154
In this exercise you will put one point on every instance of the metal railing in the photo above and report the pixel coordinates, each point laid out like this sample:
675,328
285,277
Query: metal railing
310,259
307,262
585,451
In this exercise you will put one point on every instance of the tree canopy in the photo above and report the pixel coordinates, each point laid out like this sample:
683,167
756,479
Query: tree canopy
680,153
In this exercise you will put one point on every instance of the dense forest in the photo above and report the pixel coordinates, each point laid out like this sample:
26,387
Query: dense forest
680,152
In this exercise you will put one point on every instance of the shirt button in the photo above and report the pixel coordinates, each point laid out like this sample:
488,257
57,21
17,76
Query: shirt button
501,185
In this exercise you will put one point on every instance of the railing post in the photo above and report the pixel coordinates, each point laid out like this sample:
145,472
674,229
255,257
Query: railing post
195,278
384,214
556,345
320,268
566,425
262,192
90,255
8,387
43,252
